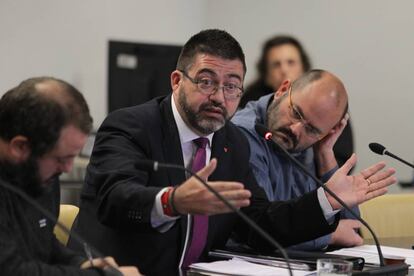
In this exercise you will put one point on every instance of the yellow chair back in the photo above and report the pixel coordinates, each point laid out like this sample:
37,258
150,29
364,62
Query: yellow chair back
390,216
67,216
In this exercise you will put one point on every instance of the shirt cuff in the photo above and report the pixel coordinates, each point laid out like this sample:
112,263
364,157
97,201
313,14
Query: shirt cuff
159,220
326,207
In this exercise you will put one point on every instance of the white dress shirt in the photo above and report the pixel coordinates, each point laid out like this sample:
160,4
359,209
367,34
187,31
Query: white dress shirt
158,219
162,222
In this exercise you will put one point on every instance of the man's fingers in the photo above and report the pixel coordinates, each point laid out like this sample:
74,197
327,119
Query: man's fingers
380,187
111,261
341,125
101,263
236,195
359,240
382,183
376,193
219,207
238,199
221,186
205,172
346,117
349,164
372,170
233,192
233,195
384,174
356,240
194,198
98,262
353,223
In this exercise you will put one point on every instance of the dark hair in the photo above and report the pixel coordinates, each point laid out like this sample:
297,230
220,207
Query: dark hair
214,42
39,114
259,87
279,41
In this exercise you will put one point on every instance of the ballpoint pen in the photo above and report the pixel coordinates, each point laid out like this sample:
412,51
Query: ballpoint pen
88,253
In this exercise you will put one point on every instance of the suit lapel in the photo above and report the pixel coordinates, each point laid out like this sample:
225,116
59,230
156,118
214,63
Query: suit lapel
173,154
171,142
220,150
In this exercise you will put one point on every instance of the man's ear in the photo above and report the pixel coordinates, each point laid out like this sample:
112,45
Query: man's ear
283,88
175,80
19,148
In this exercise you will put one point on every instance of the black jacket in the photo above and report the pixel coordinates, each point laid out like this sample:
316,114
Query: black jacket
118,196
27,243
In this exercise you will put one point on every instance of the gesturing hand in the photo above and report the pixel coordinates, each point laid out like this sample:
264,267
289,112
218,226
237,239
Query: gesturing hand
356,189
192,197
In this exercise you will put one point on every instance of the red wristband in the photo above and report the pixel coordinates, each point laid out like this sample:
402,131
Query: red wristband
165,202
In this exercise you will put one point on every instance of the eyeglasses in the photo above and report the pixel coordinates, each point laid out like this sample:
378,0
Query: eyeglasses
297,116
209,87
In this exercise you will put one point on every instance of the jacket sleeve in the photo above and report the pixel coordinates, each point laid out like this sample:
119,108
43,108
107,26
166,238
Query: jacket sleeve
15,260
288,222
63,255
319,244
114,177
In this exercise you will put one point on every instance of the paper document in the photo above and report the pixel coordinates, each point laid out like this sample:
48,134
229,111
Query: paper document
369,253
265,260
241,267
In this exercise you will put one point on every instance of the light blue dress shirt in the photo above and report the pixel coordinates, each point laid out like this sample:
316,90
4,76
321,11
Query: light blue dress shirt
275,173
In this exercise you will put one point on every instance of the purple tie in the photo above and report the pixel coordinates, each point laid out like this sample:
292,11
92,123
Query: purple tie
200,222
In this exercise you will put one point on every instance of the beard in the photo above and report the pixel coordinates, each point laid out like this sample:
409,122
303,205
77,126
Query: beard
197,120
289,140
24,176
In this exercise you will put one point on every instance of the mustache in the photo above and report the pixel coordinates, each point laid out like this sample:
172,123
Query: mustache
290,134
213,106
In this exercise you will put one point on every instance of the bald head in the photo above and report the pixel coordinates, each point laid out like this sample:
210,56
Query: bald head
317,103
324,86
38,108
52,89
70,100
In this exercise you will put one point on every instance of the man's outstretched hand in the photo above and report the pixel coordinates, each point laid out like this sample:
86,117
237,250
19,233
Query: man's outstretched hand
356,189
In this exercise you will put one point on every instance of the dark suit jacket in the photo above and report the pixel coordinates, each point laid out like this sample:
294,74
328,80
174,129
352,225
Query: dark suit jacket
118,197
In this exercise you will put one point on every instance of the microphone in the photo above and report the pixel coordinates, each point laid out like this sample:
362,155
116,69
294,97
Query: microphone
151,165
267,135
381,150
88,248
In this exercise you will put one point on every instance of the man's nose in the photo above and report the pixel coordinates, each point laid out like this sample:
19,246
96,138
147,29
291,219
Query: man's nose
218,95
67,166
297,128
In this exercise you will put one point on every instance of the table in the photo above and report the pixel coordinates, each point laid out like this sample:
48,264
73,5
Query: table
401,242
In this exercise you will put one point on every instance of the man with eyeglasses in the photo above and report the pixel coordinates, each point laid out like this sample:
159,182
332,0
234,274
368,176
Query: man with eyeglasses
306,117
166,220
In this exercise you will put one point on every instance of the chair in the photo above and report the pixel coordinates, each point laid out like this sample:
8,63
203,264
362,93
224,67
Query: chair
67,216
390,216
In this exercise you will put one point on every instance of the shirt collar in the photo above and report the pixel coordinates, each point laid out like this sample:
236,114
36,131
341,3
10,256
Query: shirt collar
185,133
